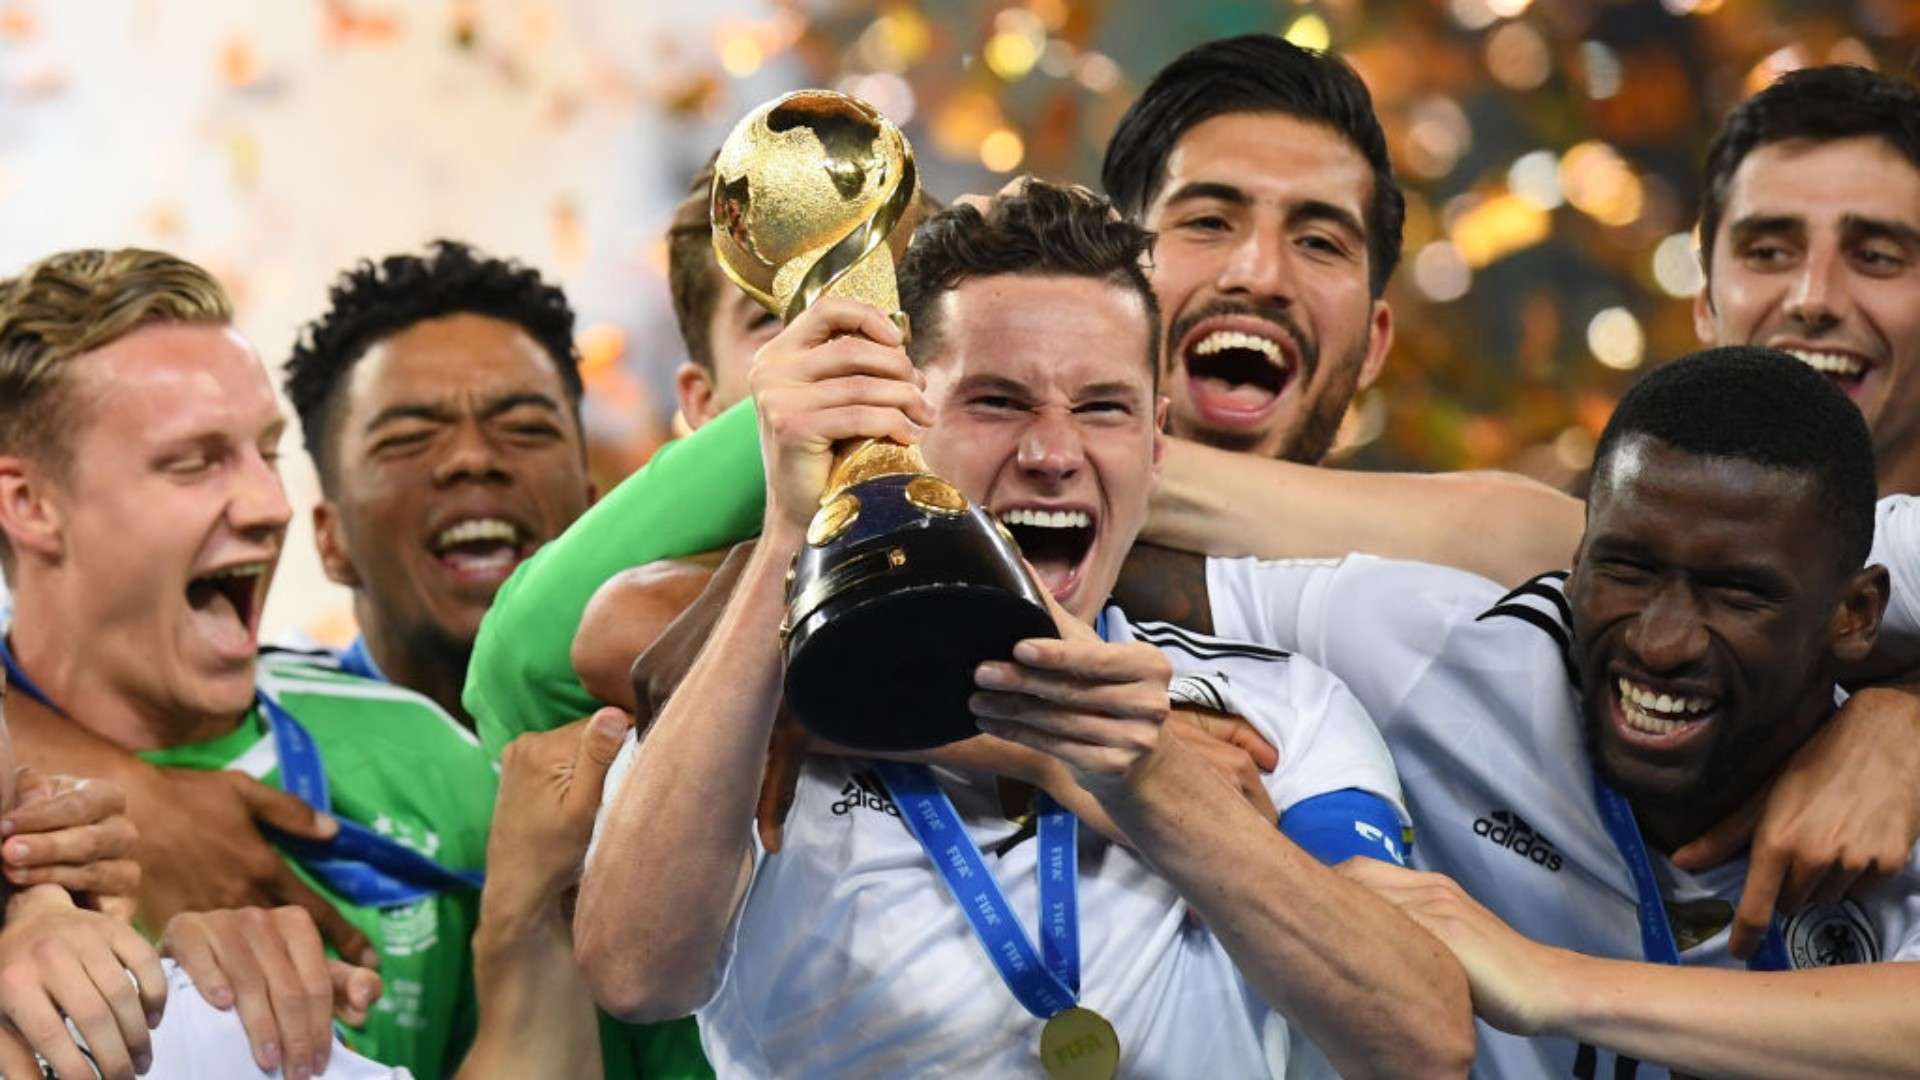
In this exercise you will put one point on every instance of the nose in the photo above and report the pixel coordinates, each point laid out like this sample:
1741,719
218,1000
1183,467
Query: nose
259,502
1051,446
1816,296
1668,635
1258,266
470,455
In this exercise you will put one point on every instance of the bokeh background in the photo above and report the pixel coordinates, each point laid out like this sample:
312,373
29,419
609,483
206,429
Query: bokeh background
1551,150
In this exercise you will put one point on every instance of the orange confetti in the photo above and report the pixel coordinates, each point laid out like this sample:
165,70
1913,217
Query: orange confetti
601,347
569,237
239,64
17,22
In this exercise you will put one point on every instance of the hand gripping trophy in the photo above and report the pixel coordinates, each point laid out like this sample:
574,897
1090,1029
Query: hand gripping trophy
904,586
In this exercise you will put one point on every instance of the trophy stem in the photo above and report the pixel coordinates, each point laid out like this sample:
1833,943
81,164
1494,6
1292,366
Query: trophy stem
857,461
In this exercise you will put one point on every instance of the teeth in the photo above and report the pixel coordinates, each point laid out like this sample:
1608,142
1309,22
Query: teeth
1048,519
1221,340
467,532
242,570
1661,714
1829,363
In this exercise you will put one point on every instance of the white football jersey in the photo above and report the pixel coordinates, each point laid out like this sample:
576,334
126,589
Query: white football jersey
196,1041
848,957
1474,692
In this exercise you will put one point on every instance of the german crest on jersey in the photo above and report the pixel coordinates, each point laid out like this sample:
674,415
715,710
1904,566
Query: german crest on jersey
1831,935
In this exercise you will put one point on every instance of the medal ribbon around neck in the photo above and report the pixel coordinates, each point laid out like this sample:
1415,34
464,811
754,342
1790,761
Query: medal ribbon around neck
1656,932
364,867
1077,1042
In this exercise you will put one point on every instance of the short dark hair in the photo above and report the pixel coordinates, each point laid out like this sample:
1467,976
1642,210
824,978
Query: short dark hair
371,302
1045,230
694,278
1746,403
1255,73
1839,101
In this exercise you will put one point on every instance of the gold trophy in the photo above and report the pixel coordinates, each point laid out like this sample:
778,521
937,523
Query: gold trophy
904,586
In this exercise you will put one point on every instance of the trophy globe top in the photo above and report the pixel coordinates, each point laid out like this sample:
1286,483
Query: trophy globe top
806,187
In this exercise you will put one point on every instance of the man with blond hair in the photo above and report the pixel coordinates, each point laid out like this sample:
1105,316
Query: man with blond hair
141,518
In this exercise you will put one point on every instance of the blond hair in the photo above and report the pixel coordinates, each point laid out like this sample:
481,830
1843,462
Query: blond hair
69,304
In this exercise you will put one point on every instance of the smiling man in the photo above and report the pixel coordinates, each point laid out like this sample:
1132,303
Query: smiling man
143,516
1263,169
1037,344
1810,236
1560,741
440,399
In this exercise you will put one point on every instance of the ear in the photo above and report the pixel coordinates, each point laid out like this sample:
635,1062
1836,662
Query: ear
1703,327
1856,618
30,514
693,388
331,541
1379,343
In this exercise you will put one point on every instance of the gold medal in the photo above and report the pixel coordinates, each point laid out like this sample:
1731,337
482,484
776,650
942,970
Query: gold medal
1079,1044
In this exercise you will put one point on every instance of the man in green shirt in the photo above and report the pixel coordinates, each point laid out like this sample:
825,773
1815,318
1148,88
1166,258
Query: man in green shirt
141,518
439,397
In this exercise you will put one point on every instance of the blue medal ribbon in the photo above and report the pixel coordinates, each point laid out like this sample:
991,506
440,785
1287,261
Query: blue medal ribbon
356,660
1046,981
1656,933
366,868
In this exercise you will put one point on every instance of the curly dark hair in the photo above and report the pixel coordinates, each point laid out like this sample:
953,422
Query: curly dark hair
1255,73
1839,101
373,301
1046,229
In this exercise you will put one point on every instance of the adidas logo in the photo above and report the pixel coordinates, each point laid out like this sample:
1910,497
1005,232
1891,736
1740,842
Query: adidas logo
1511,831
864,792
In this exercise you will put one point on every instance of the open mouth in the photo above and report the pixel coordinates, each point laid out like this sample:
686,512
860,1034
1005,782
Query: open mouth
1846,369
482,549
1237,375
1055,541
1657,719
227,603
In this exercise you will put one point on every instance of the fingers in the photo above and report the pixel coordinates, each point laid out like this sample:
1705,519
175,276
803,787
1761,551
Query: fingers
1083,757
142,961
1233,731
1766,872
281,810
355,989
96,880
33,1015
310,981
58,802
74,990
1094,660
74,845
16,1057
1132,736
126,1011
600,741
834,316
250,995
346,939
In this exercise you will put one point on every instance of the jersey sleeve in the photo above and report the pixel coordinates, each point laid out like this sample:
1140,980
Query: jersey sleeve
1896,546
1375,624
695,495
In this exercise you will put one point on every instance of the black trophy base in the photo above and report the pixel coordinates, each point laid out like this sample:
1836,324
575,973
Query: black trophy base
891,618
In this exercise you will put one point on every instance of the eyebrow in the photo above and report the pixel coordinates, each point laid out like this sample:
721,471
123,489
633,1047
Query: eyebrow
1308,210
998,383
438,413
1115,389
1757,224
1860,227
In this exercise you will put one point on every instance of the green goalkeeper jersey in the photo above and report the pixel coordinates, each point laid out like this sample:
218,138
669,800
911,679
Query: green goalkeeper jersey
697,494
396,763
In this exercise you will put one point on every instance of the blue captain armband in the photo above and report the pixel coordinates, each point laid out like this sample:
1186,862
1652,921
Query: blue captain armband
1338,825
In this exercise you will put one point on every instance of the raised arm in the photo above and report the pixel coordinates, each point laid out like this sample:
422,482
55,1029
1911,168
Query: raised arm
673,858
1220,503
697,494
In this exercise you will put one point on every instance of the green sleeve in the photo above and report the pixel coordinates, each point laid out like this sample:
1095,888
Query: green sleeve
695,495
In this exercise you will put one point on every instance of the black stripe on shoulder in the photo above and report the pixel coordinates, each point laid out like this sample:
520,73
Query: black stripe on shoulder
322,658
1203,646
1544,622
1550,586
